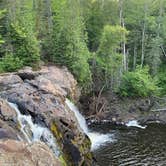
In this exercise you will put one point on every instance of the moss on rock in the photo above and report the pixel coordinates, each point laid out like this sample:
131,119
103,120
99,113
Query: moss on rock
75,152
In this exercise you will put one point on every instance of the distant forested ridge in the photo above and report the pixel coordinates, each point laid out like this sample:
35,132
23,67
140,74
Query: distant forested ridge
116,45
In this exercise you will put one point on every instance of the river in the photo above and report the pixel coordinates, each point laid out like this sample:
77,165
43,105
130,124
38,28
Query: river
129,145
132,146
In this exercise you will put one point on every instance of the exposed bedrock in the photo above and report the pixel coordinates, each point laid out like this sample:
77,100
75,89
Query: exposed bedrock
42,95
21,153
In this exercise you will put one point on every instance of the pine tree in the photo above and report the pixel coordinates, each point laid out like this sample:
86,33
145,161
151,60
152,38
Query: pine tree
69,46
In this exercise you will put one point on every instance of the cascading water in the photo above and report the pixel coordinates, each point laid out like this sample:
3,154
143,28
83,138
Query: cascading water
34,132
97,139
134,123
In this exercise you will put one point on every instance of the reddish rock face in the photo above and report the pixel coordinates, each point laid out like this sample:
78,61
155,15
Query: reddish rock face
42,94
17,153
7,113
8,124
8,132
6,80
56,79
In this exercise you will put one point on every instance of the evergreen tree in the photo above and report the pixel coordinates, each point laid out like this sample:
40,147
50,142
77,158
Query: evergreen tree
1,15
19,33
87,36
108,59
69,46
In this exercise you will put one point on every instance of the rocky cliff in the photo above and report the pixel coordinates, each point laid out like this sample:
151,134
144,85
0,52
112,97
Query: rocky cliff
41,94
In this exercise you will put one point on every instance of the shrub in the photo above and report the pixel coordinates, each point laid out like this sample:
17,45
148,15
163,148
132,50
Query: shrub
69,42
25,47
108,60
10,63
138,83
82,72
161,81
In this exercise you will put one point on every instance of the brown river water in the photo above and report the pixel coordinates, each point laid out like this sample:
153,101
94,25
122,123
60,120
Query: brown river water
132,146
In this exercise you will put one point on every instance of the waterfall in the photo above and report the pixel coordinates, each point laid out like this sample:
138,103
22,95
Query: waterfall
34,132
134,123
97,139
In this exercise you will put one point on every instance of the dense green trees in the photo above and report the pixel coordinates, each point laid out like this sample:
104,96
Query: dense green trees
138,83
101,42
24,47
21,45
1,15
145,22
69,40
108,59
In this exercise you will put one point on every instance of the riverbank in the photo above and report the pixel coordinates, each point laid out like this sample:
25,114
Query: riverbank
108,108
32,100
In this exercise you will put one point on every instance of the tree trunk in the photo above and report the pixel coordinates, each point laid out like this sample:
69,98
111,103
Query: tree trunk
160,17
34,5
143,46
135,57
48,14
124,49
38,17
143,34
122,23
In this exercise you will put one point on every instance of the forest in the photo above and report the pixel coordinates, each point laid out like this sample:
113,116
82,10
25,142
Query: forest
115,45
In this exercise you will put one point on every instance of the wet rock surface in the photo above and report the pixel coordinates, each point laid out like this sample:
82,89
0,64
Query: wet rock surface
42,95
6,112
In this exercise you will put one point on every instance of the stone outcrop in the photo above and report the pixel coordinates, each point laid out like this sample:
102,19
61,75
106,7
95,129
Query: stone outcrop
61,78
6,112
9,128
18,153
42,95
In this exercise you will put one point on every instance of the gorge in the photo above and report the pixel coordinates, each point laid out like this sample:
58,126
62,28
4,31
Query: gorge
35,114
82,82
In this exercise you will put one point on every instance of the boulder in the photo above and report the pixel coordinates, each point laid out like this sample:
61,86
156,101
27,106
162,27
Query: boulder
9,132
9,80
6,112
9,126
63,78
27,73
18,153
42,95
46,85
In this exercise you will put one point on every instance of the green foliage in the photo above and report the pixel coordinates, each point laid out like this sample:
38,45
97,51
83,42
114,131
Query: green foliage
111,39
69,46
108,59
161,81
97,14
23,46
64,32
1,40
1,16
10,63
94,24
82,72
138,83
153,55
